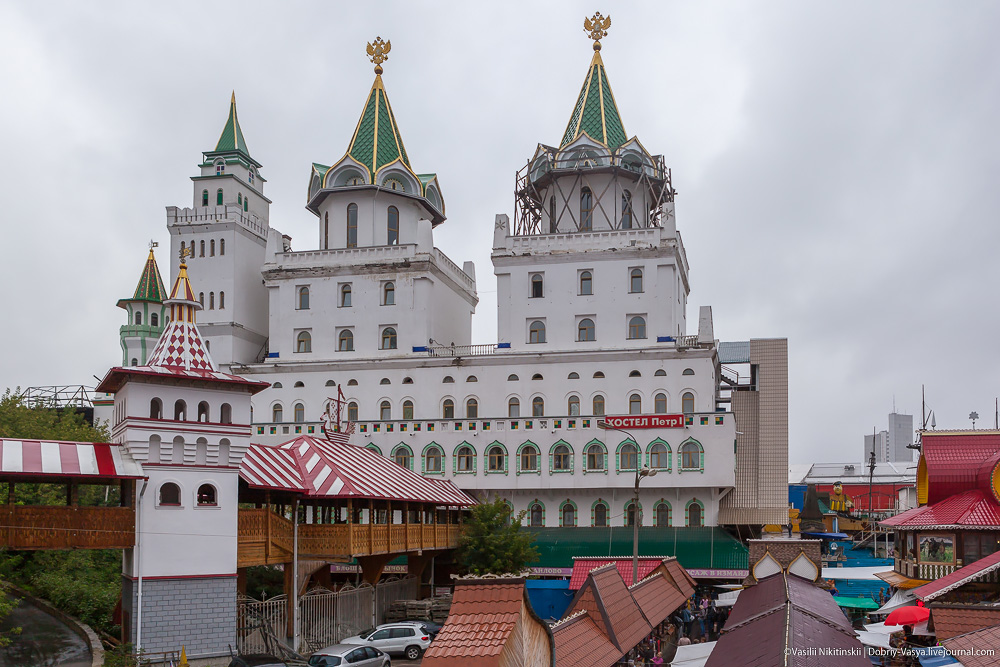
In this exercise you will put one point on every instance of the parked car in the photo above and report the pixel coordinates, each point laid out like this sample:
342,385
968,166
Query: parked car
430,627
407,639
349,655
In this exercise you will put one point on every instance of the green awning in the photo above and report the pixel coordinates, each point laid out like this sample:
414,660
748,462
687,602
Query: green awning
856,603
695,548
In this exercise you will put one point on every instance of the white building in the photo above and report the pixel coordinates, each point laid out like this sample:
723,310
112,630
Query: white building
893,444
592,283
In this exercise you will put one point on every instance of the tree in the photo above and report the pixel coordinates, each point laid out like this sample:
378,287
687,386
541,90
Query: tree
493,542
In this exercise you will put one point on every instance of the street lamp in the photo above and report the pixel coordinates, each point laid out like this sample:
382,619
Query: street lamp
645,471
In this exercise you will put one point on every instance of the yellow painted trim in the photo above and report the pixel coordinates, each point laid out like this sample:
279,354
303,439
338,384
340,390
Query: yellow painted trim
995,482
357,128
613,102
767,554
585,92
922,481
802,554
397,136
600,91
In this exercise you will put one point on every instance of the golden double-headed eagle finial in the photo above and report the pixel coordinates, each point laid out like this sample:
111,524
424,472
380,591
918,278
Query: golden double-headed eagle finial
378,53
597,27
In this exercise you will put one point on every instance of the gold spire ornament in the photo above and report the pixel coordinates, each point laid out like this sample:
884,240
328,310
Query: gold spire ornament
378,53
596,27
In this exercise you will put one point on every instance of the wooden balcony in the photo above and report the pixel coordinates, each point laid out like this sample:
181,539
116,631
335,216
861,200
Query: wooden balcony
265,538
31,527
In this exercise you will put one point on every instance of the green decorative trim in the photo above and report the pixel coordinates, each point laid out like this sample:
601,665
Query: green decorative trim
656,513
538,502
618,455
486,459
408,450
552,449
670,454
538,459
454,460
423,459
595,113
593,512
625,514
576,514
586,458
680,457
687,512
375,448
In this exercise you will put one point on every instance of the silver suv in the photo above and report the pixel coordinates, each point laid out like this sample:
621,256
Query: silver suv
407,639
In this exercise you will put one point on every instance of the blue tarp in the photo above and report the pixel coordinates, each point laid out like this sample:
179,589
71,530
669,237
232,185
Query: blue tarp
828,536
549,597
934,656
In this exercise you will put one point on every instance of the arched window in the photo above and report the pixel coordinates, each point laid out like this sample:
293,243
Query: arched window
538,407
345,296
529,458
635,404
635,280
170,494
598,406
403,457
573,406
472,409
585,330
326,231
536,333
695,512
201,248
138,319
222,300
598,375
433,460
277,415
206,495
389,294
660,404
220,167
448,380
567,514
224,446
537,285
635,374
204,197
211,248
637,327
465,459
595,457
222,246
218,197
660,373
246,204
385,411
472,378
626,210
180,411
156,409
303,298
600,515
586,283
345,342
690,456
392,226
659,456
496,459
512,378
536,515
299,412
154,320
448,409
203,411
303,342
184,249
135,362
573,376
201,299
250,175
211,300
352,412
352,225
688,371
553,224
687,403
407,409
388,338
630,514
226,414
586,210
514,408
628,456
663,518
562,458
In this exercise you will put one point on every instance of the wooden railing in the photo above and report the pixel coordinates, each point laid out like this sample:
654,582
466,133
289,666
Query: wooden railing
266,538
31,527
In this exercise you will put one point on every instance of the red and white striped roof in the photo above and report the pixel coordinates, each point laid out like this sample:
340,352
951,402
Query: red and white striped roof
67,459
337,469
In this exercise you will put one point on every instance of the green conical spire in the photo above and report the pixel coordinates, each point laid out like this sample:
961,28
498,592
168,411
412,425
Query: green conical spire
232,135
150,287
376,141
596,113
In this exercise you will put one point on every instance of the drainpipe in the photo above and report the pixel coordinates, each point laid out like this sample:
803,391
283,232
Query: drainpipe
138,563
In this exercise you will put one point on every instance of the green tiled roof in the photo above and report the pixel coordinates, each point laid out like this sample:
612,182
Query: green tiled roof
232,135
376,141
596,113
150,287
696,548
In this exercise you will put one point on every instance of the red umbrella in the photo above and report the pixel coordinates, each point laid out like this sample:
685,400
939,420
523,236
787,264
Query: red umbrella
908,615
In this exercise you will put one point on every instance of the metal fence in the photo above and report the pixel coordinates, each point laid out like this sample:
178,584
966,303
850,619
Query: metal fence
325,617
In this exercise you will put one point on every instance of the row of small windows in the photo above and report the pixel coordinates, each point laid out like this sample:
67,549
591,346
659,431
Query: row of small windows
586,330
388,292
600,514
388,340
154,319
391,226
240,199
202,246
587,211
211,300
585,283
180,411
220,169
170,495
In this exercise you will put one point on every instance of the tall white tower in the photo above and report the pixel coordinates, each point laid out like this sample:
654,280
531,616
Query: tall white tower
226,229
146,315
188,425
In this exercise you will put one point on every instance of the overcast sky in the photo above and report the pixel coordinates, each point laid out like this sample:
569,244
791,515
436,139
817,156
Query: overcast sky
837,163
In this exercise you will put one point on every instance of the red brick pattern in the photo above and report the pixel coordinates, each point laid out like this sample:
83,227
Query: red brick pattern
987,639
953,620
583,566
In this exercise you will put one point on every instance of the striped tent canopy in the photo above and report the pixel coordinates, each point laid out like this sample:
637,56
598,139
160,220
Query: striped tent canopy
38,458
334,468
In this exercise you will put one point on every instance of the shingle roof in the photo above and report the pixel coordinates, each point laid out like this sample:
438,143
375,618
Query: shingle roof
954,459
969,509
231,138
483,614
581,643
150,287
376,141
953,620
972,572
975,649
595,113
583,566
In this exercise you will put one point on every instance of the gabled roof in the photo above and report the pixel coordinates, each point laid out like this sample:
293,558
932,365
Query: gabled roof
596,113
36,458
972,572
581,642
232,136
376,141
623,620
150,287
583,566
971,509
976,649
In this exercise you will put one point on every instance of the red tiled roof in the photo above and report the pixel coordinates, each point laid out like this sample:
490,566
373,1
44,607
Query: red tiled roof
975,649
784,612
628,625
583,566
657,598
953,620
969,509
483,614
581,643
954,460
956,578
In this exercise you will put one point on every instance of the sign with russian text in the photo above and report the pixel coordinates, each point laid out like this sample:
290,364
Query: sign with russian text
646,421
